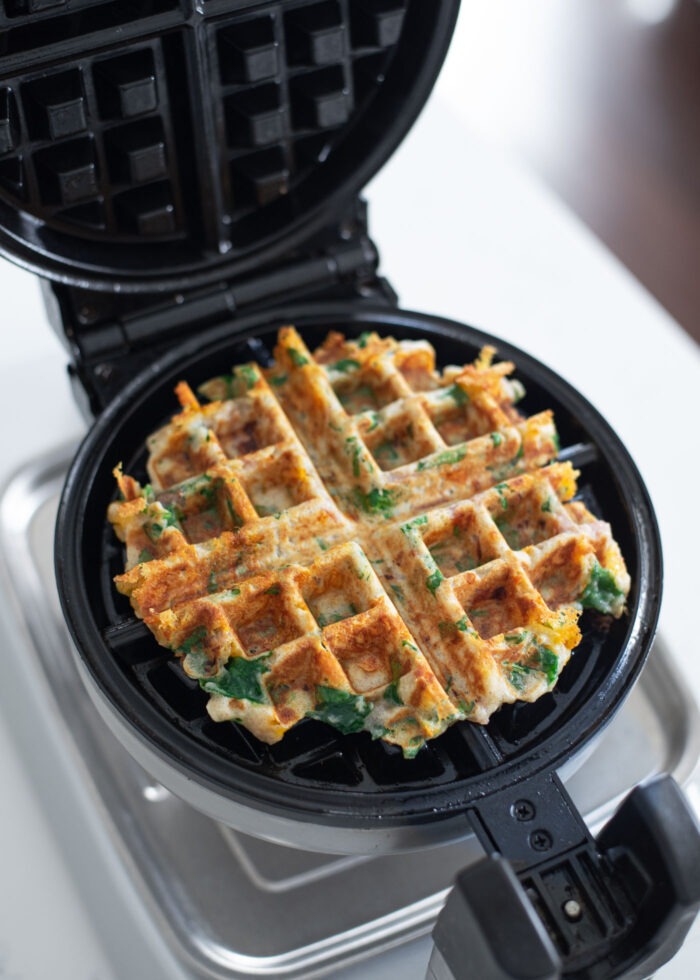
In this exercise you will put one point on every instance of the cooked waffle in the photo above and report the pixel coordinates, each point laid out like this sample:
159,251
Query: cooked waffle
354,537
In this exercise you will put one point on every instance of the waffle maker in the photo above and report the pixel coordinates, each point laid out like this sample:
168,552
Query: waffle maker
184,176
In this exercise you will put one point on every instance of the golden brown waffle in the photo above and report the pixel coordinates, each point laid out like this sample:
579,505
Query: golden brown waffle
355,537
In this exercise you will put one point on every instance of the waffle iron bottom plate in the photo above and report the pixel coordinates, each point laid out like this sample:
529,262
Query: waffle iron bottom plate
352,794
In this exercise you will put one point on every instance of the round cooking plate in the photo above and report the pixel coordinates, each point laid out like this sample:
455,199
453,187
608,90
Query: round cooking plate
315,775
149,146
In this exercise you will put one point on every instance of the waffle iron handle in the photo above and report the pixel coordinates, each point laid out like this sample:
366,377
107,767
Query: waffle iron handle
549,901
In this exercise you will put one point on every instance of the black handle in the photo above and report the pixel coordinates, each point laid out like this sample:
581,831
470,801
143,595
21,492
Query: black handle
549,901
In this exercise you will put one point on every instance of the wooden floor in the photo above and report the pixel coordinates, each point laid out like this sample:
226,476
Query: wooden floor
602,99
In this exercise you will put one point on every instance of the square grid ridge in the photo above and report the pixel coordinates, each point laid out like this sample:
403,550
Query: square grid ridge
353,537
201,115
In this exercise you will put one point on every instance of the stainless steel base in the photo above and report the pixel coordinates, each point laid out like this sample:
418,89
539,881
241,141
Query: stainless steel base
233,906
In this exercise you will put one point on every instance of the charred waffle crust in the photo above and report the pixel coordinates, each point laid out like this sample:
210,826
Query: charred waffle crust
354,537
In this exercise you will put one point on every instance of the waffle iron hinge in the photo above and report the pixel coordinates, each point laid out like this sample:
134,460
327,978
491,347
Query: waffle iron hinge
549,901
111,336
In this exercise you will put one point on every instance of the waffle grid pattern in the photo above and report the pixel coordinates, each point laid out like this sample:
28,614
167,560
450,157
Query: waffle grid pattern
96,144
396,598
106,145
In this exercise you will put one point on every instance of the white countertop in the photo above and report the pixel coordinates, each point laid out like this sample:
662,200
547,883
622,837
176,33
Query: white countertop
465,233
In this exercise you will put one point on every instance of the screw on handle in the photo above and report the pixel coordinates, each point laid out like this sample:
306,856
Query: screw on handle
549,901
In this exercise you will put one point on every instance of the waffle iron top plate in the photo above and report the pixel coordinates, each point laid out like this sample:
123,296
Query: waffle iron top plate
151,145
